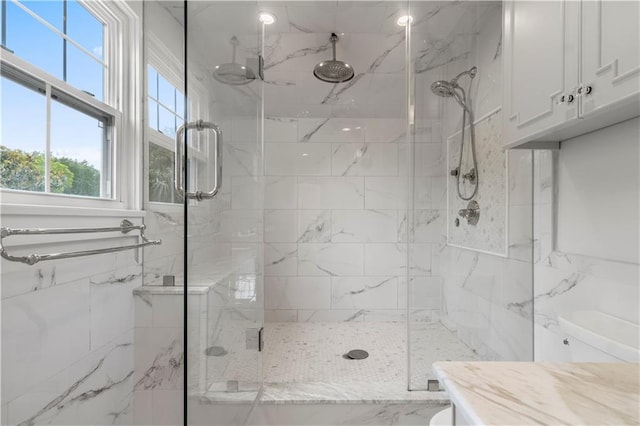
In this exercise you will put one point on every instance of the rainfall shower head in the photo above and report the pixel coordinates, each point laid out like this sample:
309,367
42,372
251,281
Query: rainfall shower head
333,71
232,72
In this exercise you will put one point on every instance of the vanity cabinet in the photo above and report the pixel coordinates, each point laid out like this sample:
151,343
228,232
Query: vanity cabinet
570,67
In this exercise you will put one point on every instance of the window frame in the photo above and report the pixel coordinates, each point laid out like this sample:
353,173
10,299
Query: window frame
166,64
122,56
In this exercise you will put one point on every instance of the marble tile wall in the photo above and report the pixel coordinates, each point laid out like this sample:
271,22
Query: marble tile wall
335,222
337,162
67,325
480,290
571,272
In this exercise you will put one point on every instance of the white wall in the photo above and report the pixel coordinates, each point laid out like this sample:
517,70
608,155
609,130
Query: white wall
591,261
486,298
67,325
335,161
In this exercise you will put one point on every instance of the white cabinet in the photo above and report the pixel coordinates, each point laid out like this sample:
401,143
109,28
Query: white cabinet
610,53
569,67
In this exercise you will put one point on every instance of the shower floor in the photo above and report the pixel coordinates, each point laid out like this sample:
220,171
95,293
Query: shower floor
304,361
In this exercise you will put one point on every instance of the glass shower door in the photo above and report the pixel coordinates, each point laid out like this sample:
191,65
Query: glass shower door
222,181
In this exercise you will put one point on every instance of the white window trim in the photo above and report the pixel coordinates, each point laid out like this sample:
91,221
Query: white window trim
123,54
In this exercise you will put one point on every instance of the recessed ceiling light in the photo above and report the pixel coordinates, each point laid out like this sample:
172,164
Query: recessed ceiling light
266,18
403,21
346,129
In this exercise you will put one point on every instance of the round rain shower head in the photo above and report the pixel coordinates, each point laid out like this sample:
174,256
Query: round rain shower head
443,88
233,73
333,71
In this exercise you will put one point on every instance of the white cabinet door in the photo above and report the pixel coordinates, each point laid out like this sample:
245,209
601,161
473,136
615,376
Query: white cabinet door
610,53
541,45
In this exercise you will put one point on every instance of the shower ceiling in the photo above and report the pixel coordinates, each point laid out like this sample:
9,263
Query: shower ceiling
370,41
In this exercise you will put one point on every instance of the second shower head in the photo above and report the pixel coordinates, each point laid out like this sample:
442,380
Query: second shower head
443,88
446,89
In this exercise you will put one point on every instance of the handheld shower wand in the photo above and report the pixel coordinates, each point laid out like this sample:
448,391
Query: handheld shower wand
451,89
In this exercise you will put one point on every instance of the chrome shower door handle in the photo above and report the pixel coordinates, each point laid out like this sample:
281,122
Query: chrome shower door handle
179,170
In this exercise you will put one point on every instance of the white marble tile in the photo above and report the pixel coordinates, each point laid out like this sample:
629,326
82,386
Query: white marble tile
521,232
314,226
331,193
280,315
430,159
365,160
297,292
158,358
278,129
143,408
112,304
244,192
95,389
33,327
280,226
330,315
331,130
422,193
385,193
422,293
283,159
239,159
281,192
167,407
520,177
439,193
142,310
281,259
389,90
245,129
386,130
308,17
427,226
391,259
364,226
330,259
241,225
364,292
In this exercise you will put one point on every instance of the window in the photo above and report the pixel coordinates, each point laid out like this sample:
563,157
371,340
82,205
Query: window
62,109
165,107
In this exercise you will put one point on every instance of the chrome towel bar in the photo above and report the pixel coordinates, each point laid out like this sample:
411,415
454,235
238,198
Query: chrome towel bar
31,259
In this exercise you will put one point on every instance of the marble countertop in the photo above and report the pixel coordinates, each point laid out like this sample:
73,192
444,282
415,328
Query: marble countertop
524,393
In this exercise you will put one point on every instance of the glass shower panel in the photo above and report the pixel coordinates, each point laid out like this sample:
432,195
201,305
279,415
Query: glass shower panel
473,301
224,232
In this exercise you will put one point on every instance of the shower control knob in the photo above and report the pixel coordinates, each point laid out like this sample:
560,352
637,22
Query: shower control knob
454,172
570,99
588,90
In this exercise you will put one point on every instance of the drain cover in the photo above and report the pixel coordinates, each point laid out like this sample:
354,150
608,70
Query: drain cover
215,351
357,354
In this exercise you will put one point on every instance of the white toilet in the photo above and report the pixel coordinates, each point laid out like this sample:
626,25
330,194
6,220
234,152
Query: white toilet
442,418
598,337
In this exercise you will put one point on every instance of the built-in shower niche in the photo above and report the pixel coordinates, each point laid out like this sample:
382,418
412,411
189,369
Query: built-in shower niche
489,234
221,313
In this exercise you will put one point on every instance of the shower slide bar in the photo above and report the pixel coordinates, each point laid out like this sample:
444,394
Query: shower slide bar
31,259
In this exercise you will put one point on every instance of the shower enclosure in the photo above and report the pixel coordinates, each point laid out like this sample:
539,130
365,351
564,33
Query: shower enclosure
302,219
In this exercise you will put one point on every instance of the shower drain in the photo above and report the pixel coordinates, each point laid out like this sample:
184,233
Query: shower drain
356,354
